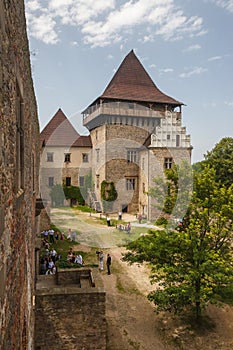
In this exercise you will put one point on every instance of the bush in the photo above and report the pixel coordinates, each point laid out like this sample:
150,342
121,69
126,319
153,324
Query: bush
161,221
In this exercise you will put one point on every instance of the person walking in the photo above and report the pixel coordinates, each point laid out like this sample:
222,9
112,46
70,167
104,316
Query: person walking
109,261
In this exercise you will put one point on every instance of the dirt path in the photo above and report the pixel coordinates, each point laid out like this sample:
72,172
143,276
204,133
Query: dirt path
131,321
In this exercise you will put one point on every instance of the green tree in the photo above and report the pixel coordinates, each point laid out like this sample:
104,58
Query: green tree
172,192
88,186
220,158
57,195
73,193
192,266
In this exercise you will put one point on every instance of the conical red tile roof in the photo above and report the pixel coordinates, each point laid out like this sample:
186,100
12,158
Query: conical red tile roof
132,82
60,132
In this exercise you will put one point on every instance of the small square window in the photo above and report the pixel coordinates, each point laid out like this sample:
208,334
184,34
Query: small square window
49,157
132,156
130,184
68,181
85,157
67,158
81,181
167,163
51,181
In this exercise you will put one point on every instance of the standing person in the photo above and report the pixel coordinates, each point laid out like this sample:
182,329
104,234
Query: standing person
140,218
51,235
128,227
101,260
120,216
109,261
108,221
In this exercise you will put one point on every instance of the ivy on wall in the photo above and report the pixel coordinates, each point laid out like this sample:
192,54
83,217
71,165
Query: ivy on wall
108,191
108,195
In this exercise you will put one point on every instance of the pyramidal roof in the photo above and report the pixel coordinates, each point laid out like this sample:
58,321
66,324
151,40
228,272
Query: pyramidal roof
60,132
132,82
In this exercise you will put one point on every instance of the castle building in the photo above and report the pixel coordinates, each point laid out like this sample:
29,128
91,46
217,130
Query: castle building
135,133
65,155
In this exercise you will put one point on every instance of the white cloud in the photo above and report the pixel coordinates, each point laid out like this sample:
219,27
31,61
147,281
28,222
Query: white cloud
214,58
43,28
225,4
229,103
103,22
166,70
194,71
193,48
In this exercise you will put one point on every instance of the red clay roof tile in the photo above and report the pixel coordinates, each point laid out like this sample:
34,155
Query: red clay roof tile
132,82
60,132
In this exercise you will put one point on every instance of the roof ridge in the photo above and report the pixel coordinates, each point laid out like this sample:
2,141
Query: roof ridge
59,131
131,81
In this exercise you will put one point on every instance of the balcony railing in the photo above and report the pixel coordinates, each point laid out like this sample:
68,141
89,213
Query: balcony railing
121,109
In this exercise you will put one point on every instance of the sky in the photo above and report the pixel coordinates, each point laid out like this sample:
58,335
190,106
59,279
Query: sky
186,46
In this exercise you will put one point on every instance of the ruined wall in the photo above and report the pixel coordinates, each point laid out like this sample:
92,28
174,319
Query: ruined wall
70,313
19,168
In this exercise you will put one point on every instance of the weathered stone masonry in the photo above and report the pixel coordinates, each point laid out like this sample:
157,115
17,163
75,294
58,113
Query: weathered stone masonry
19,169
70,312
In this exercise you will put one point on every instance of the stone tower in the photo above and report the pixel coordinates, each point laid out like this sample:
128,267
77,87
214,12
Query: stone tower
136,132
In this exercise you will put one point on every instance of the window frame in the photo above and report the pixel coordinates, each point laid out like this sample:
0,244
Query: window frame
168,162
67,157
130,184
132,156
85,157
50,157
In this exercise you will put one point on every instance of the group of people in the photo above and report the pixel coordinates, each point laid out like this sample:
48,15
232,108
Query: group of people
50,236
48,262
100,255
126,228
75,258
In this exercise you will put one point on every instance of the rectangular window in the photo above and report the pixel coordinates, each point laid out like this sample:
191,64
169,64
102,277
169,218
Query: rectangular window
177,140
130,184
167,163
67,158
19,140
132,156
143,187
97,155
143,163
51,181
49,157
85,157
81,181
68,181
97,181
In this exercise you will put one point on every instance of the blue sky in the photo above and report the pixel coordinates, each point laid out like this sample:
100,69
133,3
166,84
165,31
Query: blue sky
185,45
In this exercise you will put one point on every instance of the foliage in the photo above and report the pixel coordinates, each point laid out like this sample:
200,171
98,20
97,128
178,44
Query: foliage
57,195
108,194
191,266
161,221
220,158
172,192
88,186
73,192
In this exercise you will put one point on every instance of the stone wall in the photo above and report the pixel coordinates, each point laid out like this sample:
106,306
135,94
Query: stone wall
19,169
70,312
